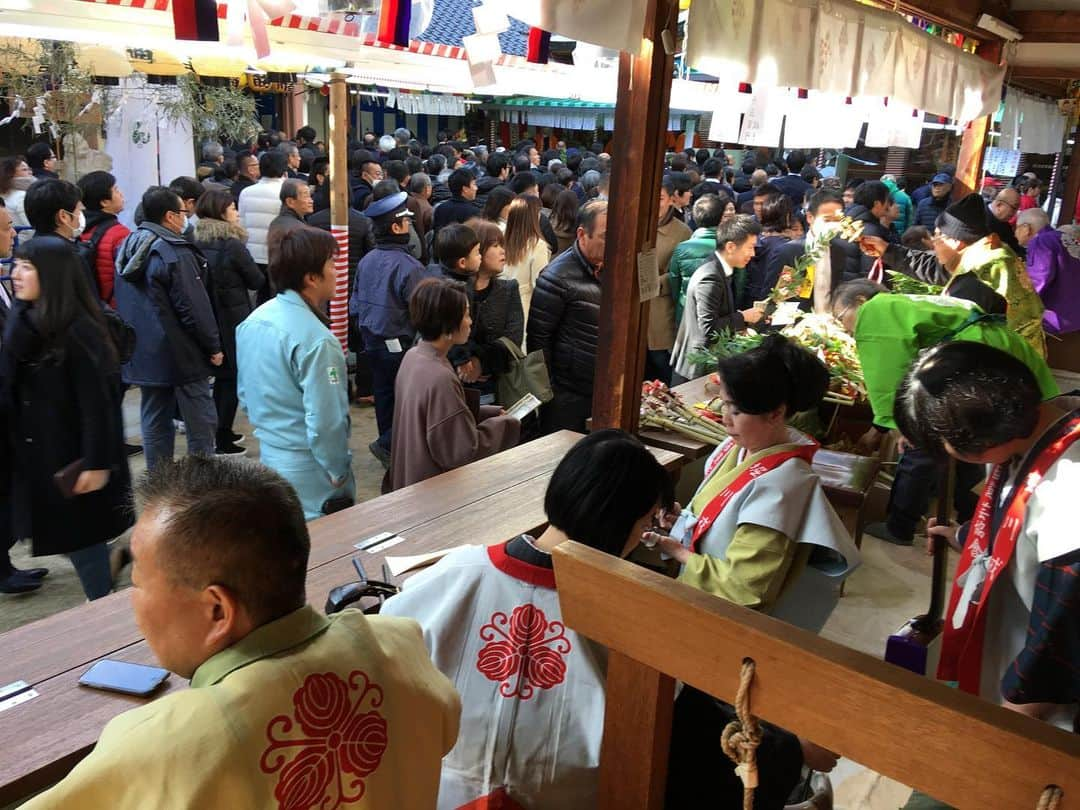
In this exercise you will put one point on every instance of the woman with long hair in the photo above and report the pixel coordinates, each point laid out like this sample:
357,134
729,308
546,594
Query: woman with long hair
231,274
563,218
496,207
60,379
15,179
527,253
497,302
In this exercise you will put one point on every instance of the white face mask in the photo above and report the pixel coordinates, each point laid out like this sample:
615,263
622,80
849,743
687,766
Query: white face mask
78,229
184,227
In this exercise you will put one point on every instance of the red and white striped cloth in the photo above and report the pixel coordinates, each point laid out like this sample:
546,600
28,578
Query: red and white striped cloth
339,305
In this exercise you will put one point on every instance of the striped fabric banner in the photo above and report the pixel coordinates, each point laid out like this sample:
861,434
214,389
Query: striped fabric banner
195,20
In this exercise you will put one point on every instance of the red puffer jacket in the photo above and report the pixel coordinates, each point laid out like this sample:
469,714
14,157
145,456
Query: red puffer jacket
108,247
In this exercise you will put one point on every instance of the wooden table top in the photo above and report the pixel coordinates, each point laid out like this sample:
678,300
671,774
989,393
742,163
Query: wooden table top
486,502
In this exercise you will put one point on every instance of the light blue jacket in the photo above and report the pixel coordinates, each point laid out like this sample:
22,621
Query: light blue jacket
292,381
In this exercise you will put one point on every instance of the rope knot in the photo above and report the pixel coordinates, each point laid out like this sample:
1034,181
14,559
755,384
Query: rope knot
741,738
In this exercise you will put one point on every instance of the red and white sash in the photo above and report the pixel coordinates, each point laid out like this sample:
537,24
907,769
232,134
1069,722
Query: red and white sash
715,506
980,564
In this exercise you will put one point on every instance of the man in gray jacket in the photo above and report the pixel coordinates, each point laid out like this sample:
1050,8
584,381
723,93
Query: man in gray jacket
710,298
161,291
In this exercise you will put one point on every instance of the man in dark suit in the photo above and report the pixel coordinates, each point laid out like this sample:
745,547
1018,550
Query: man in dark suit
792,183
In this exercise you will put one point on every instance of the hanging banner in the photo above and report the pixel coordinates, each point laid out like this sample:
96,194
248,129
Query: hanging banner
763,120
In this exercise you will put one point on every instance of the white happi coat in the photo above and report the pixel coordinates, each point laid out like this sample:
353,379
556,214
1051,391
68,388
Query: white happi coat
790,500
532,691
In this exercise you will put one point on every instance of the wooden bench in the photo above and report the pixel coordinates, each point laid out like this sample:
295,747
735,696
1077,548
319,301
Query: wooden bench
847,478
483,503
951,745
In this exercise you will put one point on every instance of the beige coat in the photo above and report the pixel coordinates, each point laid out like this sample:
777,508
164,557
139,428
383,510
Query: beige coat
434,427
662,308
526,271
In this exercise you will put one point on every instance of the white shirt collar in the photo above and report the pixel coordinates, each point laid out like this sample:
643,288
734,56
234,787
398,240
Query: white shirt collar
728,269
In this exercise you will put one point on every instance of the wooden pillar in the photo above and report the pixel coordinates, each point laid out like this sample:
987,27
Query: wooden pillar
337,139
976,138
641,116
1072,183
634,755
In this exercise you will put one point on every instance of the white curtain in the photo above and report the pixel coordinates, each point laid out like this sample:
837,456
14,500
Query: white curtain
842,47
1042,127
131,140
613,25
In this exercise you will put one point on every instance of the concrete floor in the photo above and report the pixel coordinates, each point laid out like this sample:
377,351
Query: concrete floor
891,586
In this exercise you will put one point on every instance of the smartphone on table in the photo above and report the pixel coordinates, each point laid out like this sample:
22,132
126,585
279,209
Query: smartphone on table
125,677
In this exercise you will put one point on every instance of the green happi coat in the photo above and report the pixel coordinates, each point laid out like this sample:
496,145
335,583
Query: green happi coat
892,329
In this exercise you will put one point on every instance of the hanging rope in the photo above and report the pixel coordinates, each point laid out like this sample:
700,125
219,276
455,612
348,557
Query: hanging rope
1050,798
741,737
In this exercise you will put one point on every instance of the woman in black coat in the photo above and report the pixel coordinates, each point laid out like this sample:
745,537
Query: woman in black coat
232,272
60,376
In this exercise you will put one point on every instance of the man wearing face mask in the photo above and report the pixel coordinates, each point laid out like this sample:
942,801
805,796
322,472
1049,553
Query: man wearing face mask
161,291
55,208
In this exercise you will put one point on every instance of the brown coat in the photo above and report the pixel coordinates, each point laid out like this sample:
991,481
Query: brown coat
662,308
434,427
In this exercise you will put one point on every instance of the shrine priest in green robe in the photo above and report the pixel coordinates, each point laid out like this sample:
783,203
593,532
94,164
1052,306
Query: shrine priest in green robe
287,708
890,331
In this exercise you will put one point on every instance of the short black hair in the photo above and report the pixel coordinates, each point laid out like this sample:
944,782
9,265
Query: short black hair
870,192
37,154
497,199
301,252
320,165
47,198
397,170
796,159
767,189
306,134
522,182
809,174
273,163
496,163
854,293
187,188
214,203
458,180
522,164
437,306
455,242
709,210
681,181
915,237
96,187
970,395
603,486
240,526
157,201
712,167
822,196
737,229
776,213
777,373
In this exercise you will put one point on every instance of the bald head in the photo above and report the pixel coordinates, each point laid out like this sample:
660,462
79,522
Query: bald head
1005,204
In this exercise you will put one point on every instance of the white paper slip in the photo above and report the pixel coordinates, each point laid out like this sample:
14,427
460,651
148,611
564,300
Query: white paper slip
401,565
523,407
785,314
393,346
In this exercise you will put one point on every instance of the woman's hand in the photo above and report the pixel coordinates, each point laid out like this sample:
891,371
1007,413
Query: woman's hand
817,758
90,481
469,372
666,518
948,533
668,545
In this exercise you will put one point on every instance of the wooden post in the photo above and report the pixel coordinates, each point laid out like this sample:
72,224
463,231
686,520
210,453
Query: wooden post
976,137
641,116
1072,183
633,760
339,204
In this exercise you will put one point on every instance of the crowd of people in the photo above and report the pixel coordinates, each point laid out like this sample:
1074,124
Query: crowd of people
463,264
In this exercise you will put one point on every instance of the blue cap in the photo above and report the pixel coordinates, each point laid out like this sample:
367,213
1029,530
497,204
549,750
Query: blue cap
391,205
941,178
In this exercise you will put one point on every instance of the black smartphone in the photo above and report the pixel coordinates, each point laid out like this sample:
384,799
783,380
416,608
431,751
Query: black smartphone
122,676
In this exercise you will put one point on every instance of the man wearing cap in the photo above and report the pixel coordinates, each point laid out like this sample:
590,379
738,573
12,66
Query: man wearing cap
930,208
379,306
963,243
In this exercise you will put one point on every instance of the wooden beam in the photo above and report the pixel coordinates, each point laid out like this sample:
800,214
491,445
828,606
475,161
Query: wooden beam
956,747
1072,184
633,760
1047,26
339,204
1044,72
641,116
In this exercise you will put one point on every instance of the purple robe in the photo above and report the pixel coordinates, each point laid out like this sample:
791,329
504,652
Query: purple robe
1056,276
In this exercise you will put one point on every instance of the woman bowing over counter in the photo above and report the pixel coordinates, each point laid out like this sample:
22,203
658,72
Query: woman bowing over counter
759,531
